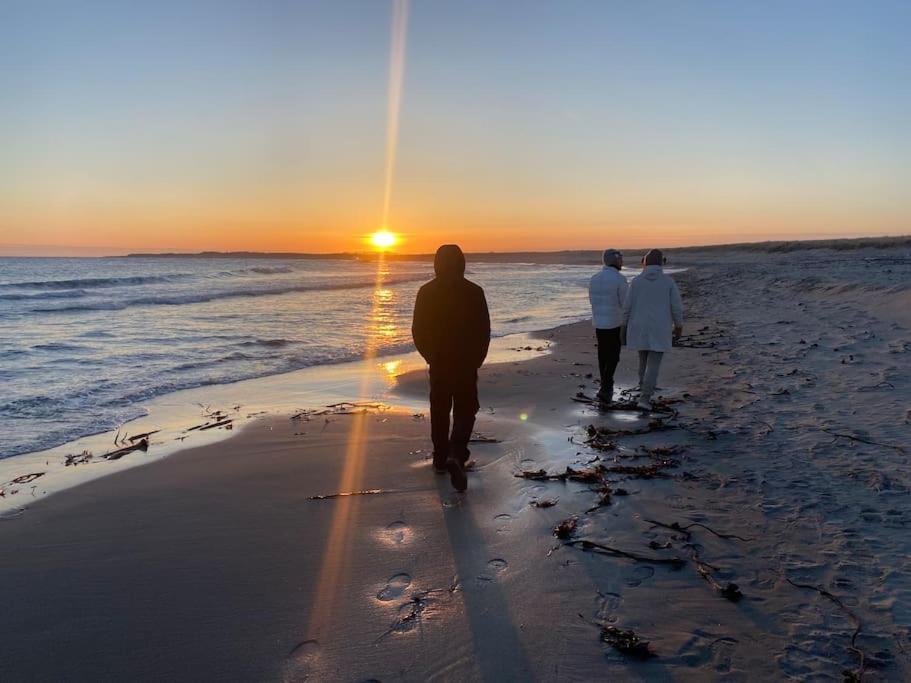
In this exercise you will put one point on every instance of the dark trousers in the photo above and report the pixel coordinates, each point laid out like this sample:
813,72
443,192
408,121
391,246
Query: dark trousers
456,390
608,357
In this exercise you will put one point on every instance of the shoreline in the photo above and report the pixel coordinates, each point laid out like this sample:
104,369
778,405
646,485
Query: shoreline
779,468
183,419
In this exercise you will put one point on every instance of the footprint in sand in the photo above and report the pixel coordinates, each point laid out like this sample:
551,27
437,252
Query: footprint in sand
723,654
704,649
494,567
607,605
394,588
302,661
503,523
397,533
638,575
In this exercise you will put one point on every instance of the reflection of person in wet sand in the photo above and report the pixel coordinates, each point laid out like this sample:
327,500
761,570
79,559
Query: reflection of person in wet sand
451,330
653,311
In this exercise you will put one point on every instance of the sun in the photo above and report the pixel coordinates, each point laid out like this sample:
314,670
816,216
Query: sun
383,239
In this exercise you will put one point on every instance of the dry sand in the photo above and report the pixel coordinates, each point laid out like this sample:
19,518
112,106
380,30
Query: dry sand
793,398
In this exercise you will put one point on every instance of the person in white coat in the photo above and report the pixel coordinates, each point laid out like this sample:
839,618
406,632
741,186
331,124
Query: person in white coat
653,316
607,293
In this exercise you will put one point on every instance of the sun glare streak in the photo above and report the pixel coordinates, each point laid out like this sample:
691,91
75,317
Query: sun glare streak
335,564
337,550
396,77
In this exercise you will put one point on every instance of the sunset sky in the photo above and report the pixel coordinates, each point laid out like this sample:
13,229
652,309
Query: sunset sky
525,125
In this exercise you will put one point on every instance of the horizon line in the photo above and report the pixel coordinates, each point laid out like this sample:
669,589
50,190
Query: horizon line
871,240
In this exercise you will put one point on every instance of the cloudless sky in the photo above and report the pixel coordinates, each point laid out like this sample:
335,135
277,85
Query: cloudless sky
524,125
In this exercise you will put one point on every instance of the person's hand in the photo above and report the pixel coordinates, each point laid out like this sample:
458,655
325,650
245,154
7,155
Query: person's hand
678,331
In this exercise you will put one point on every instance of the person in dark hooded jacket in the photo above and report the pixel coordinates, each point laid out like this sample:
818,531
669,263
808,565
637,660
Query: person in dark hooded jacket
451,330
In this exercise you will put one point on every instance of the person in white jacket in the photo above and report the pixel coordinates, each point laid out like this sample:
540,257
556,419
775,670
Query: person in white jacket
606,293
653,312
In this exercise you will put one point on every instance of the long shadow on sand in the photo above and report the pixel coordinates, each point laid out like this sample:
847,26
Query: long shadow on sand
497,647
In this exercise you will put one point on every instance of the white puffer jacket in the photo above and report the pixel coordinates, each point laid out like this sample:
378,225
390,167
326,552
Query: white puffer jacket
653,306
607,292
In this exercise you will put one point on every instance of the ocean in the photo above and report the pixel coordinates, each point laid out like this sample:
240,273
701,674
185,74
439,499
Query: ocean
86,342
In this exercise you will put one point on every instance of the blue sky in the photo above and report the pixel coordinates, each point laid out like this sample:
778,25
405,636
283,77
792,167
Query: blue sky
523,124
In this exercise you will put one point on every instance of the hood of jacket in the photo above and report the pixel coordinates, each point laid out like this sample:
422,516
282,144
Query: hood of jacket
652,272
449,262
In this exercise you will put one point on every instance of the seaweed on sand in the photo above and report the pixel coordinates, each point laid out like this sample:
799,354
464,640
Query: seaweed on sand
77,458
26,478
860,439
660,451
482,438
588,475
566,528
536,475
582,397
343,408
544,502
345,494
730,591
141,445
627,642
605,493
850,676
599,549
598,435
652,471
684,529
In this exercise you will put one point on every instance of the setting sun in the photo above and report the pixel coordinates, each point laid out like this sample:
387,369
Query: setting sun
383,239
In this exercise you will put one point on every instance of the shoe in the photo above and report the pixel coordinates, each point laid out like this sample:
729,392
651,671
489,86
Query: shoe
439,464
457,474
644,404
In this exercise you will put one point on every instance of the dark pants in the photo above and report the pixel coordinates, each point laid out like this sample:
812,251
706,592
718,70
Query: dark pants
454,389
608,357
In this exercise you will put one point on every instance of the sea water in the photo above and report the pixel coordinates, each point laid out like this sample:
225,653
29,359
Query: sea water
86,343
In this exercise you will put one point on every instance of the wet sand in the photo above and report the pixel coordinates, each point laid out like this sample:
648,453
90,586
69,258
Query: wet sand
791,394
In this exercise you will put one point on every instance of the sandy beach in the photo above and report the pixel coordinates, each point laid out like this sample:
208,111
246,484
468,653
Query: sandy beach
753,528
